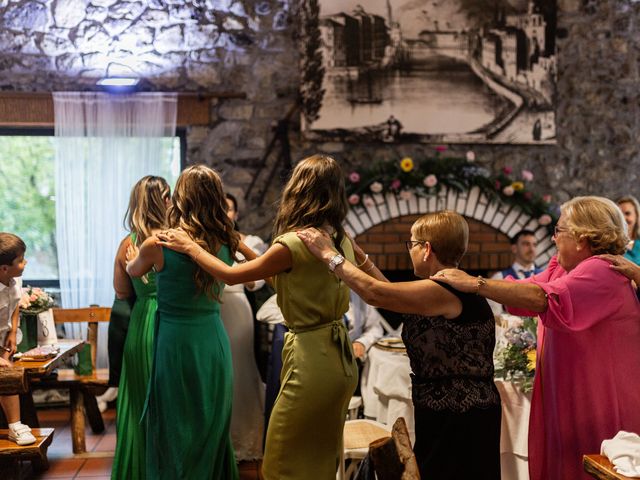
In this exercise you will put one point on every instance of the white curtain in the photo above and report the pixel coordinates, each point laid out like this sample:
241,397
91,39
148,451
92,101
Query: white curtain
104,144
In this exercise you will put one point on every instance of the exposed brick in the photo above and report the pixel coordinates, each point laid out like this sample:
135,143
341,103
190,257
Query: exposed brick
492,247
398,247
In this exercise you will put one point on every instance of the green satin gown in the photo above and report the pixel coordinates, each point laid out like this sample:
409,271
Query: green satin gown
191,387
319,372
129,459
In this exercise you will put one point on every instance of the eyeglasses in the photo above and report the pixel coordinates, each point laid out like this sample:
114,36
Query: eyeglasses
557,230
412,243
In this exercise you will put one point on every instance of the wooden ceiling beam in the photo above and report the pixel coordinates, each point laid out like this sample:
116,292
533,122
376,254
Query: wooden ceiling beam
25,110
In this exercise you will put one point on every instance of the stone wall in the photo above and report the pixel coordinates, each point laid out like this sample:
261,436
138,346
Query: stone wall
250,46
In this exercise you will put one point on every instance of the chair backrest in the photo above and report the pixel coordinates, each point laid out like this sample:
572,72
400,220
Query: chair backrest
92,315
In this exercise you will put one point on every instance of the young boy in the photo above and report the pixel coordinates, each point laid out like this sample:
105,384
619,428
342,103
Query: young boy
12,263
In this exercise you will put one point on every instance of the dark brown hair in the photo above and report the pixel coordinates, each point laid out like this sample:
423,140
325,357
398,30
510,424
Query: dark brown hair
313,197
11,247
199,208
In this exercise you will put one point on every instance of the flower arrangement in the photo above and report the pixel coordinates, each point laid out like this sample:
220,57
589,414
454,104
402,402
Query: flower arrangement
424,177
516,361
35,300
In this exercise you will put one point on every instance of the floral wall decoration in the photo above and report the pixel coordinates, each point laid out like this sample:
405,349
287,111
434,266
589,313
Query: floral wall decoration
426,176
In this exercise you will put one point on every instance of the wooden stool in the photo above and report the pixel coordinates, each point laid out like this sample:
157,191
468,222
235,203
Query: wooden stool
599,466
11,454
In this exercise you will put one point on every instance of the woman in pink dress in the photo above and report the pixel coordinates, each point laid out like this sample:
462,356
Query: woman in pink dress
586,386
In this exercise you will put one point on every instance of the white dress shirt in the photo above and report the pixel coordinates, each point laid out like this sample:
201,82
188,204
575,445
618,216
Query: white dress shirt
9,299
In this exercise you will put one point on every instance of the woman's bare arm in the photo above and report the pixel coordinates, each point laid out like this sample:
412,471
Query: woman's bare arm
121,281
275,260
527,296
149,256
422,297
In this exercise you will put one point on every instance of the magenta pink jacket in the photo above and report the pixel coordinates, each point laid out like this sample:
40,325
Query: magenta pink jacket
587,384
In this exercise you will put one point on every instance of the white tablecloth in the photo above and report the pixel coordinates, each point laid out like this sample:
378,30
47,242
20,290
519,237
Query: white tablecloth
386,394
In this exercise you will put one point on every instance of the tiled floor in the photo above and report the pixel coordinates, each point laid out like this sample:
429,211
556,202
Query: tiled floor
96,463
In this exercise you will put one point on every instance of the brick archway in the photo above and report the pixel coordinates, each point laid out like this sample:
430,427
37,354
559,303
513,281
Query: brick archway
383,223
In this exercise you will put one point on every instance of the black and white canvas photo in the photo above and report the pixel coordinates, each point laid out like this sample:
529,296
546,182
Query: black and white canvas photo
465,71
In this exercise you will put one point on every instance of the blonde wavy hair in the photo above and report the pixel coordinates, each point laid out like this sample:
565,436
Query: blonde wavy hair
447,232
200,209
314,196
147,208
635,233
599,221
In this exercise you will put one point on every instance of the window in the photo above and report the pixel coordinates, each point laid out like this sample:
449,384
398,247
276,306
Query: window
27,194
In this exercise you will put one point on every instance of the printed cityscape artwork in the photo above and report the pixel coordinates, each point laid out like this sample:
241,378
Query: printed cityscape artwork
433,71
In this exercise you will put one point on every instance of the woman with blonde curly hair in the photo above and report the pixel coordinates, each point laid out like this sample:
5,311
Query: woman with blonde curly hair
319,373
188,409
588,363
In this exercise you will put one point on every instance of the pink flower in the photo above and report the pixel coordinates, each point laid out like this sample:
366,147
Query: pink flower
430,181
471,156
376,187
24,301
528,195
527,175
395,184
544,219
508,190
368,202
441,148
507,170
354,199
546,198
498,185
406,195
354,177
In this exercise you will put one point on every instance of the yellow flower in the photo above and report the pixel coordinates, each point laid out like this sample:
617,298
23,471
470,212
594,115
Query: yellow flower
406,164
531,357
517,186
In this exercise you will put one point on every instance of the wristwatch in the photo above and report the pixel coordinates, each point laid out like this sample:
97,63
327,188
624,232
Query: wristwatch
336,260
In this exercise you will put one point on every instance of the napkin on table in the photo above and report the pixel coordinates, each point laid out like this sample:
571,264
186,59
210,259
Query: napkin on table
623,451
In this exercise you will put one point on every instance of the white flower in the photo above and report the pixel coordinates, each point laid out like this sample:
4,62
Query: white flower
376,187
471,156
508,190
430,181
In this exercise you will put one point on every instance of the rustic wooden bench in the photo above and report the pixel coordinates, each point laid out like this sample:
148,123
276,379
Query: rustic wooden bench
11,454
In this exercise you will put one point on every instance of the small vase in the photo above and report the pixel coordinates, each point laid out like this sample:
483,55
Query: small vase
29,329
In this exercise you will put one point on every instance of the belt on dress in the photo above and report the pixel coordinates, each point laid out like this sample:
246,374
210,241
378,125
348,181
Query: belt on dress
339,335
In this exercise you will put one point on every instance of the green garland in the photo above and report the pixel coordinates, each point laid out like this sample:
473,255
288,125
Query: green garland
426,177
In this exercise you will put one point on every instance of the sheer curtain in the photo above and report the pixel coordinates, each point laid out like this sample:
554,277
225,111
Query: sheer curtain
104,144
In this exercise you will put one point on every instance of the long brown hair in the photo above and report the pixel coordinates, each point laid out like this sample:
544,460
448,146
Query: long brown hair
147,206
199,208
313,197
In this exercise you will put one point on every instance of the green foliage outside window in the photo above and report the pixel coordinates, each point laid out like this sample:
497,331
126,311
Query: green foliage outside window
27,199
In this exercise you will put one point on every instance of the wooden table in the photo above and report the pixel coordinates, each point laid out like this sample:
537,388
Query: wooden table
44,367
599,466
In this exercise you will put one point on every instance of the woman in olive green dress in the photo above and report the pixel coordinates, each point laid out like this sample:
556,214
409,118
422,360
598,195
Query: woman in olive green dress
188,408
319,373
145,216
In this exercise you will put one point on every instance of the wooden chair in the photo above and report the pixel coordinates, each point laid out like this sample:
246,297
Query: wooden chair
393,458
357,436
82,388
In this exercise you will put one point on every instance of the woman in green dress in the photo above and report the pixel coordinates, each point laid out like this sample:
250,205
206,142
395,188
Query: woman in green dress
319,373
188,409
145,216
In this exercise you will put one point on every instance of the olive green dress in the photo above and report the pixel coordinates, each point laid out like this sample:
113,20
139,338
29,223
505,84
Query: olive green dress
319,372
191,386
129,459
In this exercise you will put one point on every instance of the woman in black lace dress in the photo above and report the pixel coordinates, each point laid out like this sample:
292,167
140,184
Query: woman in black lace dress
449,337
